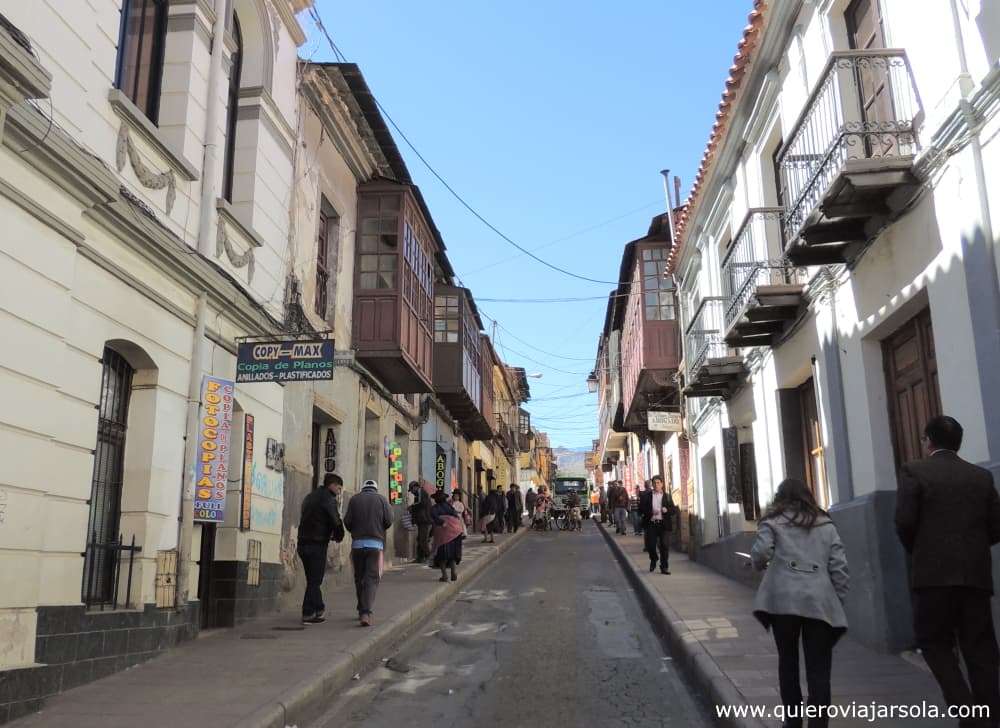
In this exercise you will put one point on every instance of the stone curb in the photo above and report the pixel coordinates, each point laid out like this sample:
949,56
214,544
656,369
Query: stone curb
301,703
692,655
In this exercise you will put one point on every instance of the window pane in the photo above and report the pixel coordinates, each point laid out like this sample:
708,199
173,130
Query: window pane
368,280
440,325
387,262
452,338
652,313
645,255
369,225
650,299
390,202
452,324
369,263
389,224
369,206
389,242
369,244
649,269
386,280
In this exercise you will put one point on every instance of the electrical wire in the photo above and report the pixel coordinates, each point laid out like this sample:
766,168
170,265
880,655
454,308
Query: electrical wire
543,351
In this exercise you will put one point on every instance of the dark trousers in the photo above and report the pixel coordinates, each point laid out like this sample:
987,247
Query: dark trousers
944,616
818,639
620,514
636,519
313,555
513,521
366,577
423,541
656,537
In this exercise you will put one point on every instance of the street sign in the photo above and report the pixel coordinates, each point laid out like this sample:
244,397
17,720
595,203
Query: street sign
440,468
284,361
212,455
664,421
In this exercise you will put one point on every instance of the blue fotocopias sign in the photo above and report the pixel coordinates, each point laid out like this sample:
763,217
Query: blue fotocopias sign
284,361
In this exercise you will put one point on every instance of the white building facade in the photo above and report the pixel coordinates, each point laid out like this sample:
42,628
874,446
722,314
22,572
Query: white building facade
838,274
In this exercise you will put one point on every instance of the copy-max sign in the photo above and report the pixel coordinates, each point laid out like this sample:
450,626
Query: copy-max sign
285,361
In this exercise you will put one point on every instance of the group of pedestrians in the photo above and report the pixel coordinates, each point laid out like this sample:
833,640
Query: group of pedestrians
500,512
368,517
947,518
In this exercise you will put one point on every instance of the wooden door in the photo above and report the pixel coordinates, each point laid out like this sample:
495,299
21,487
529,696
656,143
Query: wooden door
814,456
911,384
865,32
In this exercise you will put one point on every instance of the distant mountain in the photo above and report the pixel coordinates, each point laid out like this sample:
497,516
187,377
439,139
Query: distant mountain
571,460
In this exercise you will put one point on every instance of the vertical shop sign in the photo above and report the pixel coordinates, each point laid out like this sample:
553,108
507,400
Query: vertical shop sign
440,467
247,489
396,469
212,465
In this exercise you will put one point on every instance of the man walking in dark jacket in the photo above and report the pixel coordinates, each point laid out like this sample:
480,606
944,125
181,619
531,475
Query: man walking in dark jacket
500,522
420,512
948,516
656,508
515,506
319,523
367,518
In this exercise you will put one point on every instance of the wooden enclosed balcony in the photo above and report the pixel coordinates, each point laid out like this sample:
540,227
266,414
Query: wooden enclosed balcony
847,168
711,368
458,359
394,287
763,291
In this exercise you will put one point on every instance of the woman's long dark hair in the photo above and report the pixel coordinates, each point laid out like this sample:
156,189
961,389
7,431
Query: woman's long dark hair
796,503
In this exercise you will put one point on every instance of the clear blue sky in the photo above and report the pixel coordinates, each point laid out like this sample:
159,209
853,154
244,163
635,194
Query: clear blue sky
550,117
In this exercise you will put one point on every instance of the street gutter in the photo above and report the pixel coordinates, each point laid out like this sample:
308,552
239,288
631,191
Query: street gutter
674,633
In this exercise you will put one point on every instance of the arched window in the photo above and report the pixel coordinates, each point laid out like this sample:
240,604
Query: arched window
232,113
140,53
108,477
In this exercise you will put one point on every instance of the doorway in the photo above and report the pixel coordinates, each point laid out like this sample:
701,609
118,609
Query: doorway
911,382
206,562
813,453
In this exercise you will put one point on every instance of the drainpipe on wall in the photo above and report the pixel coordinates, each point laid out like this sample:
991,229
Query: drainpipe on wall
210,159
982,276
185,529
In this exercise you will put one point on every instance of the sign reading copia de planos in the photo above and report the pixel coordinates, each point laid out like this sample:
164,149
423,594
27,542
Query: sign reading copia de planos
212,465
285,361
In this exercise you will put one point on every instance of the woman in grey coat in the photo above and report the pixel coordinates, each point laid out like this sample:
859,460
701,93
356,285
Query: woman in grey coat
801,595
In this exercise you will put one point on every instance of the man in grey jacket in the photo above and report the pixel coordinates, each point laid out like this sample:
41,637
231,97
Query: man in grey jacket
368,517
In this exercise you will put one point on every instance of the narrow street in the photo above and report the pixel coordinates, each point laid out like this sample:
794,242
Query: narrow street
551,635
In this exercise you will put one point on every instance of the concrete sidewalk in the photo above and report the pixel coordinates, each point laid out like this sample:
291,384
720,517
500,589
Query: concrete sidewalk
706,618
271,672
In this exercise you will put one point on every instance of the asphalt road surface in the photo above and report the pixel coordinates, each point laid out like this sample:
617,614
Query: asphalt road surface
549,636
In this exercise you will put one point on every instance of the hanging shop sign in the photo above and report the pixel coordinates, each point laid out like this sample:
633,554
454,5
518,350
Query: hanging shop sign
212,465
664,422
731,459
440,467
247,489
396,469
284,361
330,452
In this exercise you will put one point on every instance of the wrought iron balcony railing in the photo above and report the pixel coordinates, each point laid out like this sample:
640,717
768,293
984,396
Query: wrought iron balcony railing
865,106
703,338
751,261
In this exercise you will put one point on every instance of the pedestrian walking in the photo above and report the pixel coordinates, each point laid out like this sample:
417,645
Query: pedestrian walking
448,534
319,523
529,501
657,509
801,595
458,503
633,510
420,513
487,514
515,506
947,517
500,508
368,517
619,502
604,504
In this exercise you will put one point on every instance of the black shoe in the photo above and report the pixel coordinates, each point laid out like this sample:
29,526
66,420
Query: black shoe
314,620
652,566
665,571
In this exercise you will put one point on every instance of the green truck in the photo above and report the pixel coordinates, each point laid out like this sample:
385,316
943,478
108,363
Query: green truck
563,486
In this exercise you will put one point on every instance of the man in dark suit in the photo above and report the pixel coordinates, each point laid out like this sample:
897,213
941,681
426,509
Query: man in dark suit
656,508
948,516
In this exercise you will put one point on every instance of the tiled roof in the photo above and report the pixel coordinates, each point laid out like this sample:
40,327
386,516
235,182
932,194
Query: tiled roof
741,61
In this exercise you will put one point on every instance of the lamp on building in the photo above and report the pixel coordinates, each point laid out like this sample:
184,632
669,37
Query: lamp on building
534,375
592,382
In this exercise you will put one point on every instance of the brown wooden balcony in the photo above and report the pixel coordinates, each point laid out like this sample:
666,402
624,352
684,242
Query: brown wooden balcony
458,359
394,287
847,168
763,291
711,368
